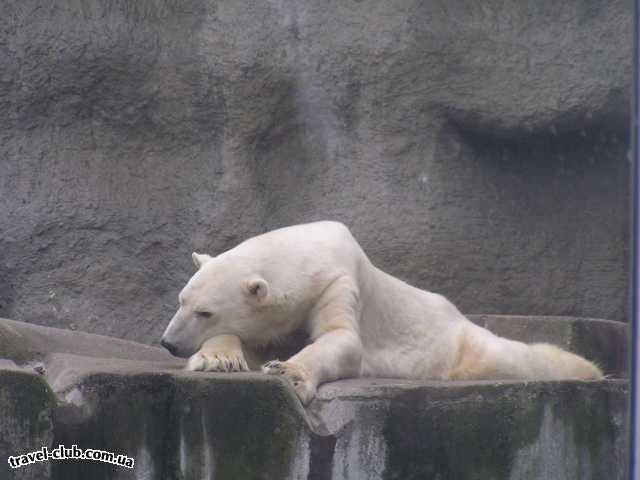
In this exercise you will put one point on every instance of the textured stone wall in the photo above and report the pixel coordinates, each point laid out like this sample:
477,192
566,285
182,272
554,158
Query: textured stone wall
476,149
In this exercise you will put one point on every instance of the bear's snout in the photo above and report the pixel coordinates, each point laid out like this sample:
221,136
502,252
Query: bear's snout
173,350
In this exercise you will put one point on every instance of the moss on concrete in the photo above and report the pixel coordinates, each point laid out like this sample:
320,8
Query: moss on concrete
26,424
589,411
26,395
223,426
472,434
477,432
249,428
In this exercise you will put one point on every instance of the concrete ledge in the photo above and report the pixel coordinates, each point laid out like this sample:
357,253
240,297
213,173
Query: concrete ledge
23,342
468,430
603,341
230,426
138,401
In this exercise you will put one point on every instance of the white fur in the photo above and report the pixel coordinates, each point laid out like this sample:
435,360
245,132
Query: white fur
361,321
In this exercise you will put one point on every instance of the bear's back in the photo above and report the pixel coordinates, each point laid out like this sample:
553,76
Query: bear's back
307,254
303,242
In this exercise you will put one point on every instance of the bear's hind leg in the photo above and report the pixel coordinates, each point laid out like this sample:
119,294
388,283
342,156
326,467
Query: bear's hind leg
481,355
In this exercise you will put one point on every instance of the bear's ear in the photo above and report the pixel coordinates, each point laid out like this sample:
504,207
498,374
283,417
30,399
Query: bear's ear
257,288
199,259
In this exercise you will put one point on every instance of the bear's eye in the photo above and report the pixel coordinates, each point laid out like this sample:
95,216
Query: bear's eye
203,314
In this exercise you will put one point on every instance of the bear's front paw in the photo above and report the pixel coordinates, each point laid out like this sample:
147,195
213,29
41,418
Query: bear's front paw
297,376
217,362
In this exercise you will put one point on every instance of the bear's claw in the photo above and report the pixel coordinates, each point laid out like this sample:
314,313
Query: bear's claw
212,362
296,375
276,365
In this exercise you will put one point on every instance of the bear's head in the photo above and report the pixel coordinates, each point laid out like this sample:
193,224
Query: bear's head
225,296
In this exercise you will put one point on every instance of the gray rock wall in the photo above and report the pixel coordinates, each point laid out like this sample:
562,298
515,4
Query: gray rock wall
474,149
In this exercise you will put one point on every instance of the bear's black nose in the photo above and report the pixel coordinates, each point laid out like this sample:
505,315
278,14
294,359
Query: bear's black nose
172,348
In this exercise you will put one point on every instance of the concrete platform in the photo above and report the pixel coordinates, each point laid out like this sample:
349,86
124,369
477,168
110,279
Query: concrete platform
136,400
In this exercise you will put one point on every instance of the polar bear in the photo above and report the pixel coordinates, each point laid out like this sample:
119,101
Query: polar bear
360,320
